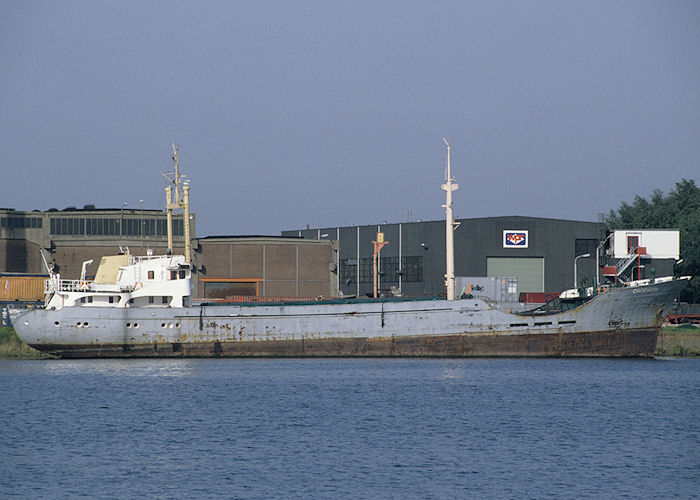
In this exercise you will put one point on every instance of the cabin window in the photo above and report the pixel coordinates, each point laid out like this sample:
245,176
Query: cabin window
183,274
111,299
131,301
89,300
173,275
151,299
165,300
82,300
151,275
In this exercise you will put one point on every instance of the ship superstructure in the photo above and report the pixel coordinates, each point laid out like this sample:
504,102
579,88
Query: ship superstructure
125,281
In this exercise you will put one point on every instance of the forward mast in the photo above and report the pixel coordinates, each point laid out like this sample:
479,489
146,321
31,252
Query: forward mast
450,226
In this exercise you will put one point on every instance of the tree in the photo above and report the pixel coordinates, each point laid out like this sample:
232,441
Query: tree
679,209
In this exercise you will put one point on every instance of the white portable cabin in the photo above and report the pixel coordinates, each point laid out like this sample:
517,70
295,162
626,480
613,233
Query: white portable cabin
653,243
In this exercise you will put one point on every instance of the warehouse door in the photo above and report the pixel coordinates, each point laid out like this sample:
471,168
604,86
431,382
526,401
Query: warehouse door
528,270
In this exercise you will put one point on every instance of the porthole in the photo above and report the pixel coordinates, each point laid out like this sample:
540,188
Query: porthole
26,322
162,325
128,325
170,325
85,324
136,325
57,323
177,325
78,323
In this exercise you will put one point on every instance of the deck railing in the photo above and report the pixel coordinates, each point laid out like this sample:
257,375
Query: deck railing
54,285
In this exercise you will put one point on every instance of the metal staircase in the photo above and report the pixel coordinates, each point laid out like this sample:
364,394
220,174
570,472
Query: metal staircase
617,271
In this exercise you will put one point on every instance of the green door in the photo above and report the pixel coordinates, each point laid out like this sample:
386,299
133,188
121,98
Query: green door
528,270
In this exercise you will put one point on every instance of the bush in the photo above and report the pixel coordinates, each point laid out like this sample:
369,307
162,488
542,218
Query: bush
12,347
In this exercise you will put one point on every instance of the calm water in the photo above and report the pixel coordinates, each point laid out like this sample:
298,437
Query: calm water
350,428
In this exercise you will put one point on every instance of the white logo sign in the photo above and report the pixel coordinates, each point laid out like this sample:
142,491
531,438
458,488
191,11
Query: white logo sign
515,238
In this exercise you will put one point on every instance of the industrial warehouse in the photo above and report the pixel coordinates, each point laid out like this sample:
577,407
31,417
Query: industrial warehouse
536,257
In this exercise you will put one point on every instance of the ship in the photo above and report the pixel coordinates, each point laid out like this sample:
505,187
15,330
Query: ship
141,306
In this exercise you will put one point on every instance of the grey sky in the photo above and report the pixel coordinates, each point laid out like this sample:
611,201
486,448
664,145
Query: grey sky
331,113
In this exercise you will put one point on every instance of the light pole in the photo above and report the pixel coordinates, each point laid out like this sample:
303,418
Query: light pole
121,223
597,259
141,228
575,262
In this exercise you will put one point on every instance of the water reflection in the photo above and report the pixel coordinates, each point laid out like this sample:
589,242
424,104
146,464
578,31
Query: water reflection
122,367
452,373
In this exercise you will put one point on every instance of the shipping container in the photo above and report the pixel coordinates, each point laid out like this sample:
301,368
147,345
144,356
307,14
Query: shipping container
22,287
503,289
538,297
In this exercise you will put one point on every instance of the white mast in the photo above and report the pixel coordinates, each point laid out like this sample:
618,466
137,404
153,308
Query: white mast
450,225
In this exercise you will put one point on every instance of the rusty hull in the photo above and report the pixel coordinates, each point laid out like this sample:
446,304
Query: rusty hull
613,343
619,322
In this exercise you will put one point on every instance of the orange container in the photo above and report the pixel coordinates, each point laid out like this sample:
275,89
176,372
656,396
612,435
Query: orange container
22,288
